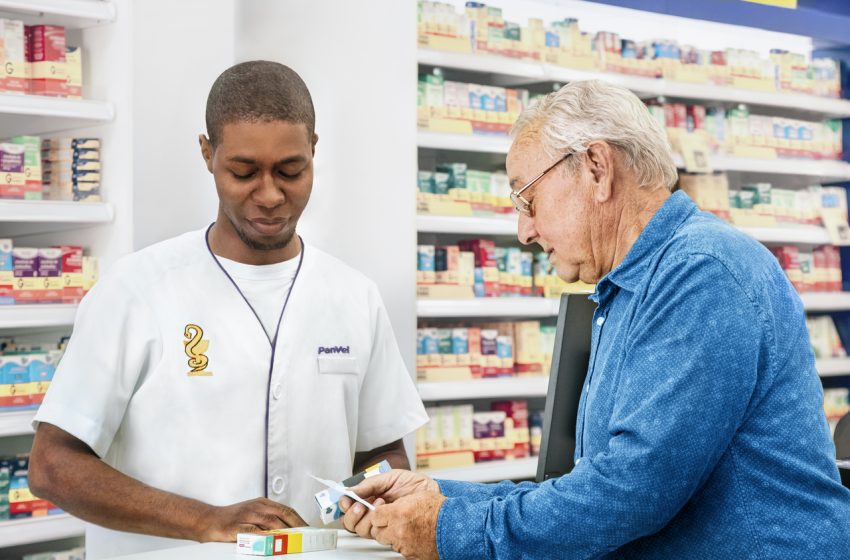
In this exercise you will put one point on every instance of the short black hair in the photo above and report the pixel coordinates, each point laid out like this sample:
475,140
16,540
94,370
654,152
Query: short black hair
258,91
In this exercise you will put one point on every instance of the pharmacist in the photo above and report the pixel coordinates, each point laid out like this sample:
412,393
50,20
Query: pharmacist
210,374
701,431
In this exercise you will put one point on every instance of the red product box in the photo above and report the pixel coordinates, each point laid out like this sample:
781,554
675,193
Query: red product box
696,113
47,49
680,115
47,43
518,412
669,115
72,274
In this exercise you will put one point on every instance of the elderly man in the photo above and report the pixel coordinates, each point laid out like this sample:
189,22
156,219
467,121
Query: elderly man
700,431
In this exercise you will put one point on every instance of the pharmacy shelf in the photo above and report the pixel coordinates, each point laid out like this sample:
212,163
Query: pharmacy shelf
36,114
39,529
37,316
490,144
25,217
796,235
75,14
826,171
508,387
490,471
823,171
531,307
473,225
16,423
826,301
511,71
831,367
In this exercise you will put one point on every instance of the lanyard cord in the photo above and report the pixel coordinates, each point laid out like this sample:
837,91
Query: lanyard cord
272,343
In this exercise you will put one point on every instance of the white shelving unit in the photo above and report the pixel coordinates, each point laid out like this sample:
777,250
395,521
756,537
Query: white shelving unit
826,301
489,144
16,423
74,14
19,217
104,229
37,316
39,529
511,71
825,171
483,388
467,225
800,235
832,367
529,307
490,471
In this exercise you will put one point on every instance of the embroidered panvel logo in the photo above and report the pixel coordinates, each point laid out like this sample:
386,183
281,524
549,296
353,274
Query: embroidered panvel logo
334,349
196,348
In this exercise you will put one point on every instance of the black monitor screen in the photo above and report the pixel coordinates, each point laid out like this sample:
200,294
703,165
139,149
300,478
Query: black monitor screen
569,369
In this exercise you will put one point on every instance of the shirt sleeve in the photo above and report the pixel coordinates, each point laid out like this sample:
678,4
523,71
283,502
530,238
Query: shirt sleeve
389,406
476,491
113,343
666,433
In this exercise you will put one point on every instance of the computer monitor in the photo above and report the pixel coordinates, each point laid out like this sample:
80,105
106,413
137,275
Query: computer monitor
570,360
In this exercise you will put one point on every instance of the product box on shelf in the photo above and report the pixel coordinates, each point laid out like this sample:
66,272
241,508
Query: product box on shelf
47,60
14,78
7,273
459,436
12,172
74,73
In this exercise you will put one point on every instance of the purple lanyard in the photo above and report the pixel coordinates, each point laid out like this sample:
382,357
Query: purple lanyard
272,342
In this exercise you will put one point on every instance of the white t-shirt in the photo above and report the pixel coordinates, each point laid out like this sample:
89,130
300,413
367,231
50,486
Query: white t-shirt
264,286
170,378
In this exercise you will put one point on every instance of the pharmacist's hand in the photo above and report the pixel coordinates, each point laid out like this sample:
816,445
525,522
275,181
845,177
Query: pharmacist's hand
221,524
409,525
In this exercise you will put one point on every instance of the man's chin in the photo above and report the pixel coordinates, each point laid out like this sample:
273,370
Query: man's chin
266,243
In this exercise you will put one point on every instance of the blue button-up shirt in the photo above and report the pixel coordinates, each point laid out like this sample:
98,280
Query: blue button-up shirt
701,431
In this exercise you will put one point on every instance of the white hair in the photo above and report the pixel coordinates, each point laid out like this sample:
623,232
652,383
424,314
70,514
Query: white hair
587,111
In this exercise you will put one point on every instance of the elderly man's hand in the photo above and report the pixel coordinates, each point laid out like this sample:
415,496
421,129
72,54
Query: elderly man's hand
381,489
409,525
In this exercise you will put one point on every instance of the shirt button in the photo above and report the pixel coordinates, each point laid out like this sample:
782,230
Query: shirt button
599,321
277,485
579,459
276,391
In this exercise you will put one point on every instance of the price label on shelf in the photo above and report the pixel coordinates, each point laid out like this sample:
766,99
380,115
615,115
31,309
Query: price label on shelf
836,226
695,152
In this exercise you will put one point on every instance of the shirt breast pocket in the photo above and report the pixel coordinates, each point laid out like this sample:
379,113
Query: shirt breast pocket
338,365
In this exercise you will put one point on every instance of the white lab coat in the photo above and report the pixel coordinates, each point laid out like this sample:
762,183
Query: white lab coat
338,385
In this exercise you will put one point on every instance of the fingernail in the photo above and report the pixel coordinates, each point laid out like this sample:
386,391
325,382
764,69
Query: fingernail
358,509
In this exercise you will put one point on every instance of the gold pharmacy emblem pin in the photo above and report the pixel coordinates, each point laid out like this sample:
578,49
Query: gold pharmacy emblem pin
196,349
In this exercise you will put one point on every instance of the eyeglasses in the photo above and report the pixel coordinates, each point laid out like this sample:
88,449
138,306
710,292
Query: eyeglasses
520,203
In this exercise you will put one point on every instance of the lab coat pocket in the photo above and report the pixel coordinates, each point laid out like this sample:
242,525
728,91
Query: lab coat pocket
338,364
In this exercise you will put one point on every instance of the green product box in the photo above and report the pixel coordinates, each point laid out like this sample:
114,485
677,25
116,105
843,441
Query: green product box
425,182
457,174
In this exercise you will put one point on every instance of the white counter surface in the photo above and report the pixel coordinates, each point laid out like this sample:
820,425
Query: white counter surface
349,547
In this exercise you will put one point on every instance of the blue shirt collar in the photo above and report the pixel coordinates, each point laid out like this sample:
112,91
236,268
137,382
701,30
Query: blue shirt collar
630,273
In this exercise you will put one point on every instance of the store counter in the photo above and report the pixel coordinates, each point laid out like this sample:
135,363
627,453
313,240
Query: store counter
349,547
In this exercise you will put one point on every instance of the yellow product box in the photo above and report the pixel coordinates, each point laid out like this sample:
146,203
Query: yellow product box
74,72
91,272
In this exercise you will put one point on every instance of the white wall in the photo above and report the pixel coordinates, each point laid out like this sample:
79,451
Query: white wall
359,61
179,48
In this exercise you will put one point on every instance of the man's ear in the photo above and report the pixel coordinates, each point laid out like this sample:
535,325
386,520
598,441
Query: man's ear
315,141
600,158
206,151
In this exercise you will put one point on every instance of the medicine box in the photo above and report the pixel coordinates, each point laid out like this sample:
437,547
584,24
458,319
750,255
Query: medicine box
286,541
328,499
